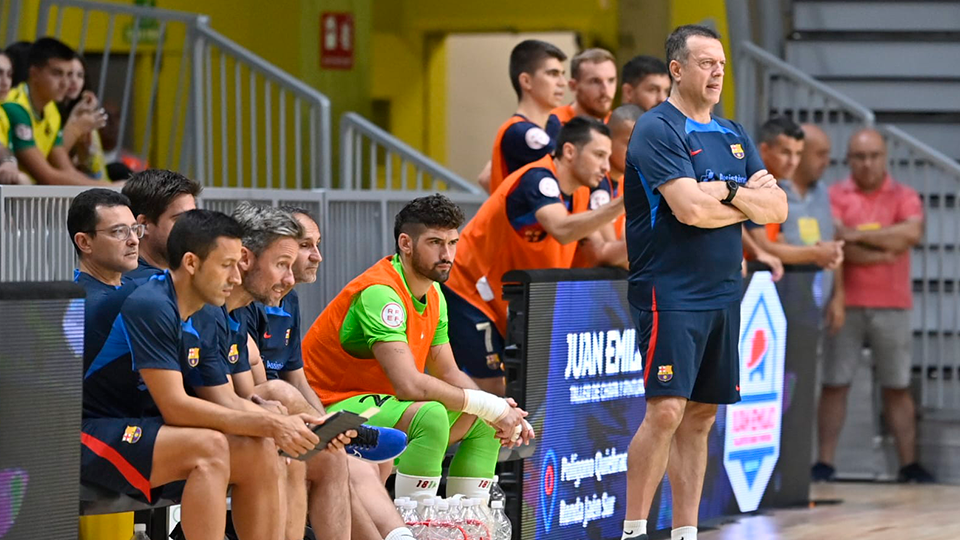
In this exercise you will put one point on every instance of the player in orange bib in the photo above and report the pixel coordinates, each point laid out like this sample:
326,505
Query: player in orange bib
593,80
372,344
613,250
532,221
536,73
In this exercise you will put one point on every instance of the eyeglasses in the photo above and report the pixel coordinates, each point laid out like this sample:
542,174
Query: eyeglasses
122,232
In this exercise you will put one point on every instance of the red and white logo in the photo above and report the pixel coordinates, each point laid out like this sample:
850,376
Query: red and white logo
392,315
752,439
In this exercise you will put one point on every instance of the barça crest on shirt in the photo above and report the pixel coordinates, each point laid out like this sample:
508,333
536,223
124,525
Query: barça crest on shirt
234,354
286,338
665,373
737,151
132,434
193,356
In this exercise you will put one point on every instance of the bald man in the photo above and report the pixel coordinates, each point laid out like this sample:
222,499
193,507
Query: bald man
880,220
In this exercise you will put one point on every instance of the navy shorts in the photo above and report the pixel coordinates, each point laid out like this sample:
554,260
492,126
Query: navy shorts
474,338
117,455
691,354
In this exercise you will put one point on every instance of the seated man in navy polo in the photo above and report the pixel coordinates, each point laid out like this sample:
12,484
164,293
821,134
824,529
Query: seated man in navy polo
280,248
106,237
158,197
141,429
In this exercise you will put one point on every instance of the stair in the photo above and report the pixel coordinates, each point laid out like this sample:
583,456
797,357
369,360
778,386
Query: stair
899,58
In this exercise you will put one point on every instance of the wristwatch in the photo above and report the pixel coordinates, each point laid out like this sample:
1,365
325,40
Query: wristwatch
733,186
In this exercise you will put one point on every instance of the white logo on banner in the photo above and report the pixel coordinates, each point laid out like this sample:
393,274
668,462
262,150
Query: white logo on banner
752,445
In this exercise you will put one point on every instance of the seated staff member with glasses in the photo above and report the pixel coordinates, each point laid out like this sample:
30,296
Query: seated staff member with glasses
106,238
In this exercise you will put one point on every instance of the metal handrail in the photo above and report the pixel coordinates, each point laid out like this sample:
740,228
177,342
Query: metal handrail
937,157
290,83
122,9
791,72
353,127
204,109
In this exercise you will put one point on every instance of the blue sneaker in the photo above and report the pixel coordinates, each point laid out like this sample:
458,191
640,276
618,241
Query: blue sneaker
377,444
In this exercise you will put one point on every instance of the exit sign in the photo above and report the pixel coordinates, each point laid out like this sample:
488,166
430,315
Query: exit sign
336,40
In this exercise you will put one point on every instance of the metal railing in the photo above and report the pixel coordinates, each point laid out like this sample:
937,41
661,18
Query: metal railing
356,227
233,119
935,266
371,158
769,86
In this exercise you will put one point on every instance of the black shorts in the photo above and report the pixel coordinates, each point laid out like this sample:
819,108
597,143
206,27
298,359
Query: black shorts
474,338
117,455
691,354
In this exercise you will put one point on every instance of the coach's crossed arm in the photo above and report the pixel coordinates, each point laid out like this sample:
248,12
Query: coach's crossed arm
698,203
762,201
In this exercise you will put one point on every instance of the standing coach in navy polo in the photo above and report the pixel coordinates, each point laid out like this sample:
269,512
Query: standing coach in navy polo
691,179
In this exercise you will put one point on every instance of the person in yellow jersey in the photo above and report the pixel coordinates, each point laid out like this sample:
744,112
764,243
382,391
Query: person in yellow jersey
34,131
9,173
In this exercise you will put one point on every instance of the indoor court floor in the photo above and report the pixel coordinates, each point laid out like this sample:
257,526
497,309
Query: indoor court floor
856,511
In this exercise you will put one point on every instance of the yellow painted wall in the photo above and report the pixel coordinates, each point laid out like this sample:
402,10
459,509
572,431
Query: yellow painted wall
715,12
408,47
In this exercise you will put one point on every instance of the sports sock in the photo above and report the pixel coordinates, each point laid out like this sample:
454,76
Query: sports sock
634,528
684,533
400,533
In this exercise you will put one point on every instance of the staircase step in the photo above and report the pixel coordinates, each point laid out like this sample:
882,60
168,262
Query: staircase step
905,95
873,16
875,58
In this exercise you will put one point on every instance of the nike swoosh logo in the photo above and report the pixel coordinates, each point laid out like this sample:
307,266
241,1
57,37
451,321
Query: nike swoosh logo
628,532
267,336
695,152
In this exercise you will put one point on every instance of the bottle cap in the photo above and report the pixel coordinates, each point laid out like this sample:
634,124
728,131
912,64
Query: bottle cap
496,478
428,502
139,527
496,504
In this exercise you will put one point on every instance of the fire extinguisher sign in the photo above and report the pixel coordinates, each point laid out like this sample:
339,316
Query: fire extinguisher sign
336,40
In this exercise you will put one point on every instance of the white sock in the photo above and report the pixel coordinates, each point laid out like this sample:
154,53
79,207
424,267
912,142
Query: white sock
634,528
684,533
416,487
474,488
401,533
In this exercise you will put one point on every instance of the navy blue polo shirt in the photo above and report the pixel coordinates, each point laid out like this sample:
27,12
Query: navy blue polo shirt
235,341
101,306
148,334
675,266
143,271
525,142
276,330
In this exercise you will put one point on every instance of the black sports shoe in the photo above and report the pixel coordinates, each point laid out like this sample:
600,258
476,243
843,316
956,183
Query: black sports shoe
821,472
915,474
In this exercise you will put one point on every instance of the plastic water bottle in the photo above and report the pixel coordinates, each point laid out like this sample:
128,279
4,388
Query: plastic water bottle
140,532
450,530
474,524
456,517
496,492
400,502
502,527
412,519
428,518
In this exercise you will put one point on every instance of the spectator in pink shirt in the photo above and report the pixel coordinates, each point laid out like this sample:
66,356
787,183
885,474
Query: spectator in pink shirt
880,220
